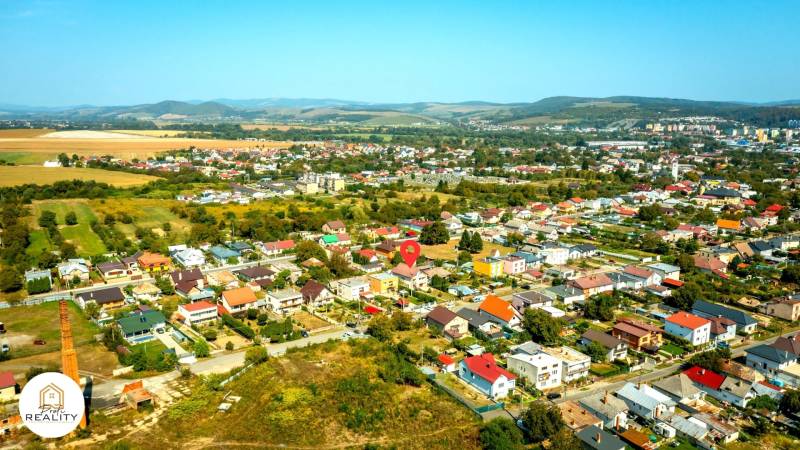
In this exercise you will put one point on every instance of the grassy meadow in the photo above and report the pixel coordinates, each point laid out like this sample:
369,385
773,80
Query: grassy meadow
330,395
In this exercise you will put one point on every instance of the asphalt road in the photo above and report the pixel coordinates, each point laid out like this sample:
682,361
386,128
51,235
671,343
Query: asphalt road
99,286
655,375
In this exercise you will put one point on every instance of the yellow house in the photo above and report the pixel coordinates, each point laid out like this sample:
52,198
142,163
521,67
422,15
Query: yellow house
488,267
383,283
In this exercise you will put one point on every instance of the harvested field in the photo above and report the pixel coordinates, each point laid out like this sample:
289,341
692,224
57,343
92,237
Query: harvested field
449,251
18,175
47,145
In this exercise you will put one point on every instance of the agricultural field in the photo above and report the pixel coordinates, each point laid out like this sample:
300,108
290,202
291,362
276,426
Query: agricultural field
36,146
25,324
17,175
329,395
449,251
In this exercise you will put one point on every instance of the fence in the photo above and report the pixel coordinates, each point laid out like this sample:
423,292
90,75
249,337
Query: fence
37,300
479,410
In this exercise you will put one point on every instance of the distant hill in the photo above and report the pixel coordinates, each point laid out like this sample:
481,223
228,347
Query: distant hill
592,111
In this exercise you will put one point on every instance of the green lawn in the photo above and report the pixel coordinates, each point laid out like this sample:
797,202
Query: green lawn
86,241
673,349
154,347
61,208
24,324
39,242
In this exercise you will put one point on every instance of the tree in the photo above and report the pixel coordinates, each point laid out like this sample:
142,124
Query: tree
790,402
464,257
763,402
596,351
464,242
600,307
47,219
542,421
684,297
501,434
309,249
71,218
201,349
10,279
543,328
565,440
791,274
476,243
256,355
435,233
515,239
712,359
92,310
380,327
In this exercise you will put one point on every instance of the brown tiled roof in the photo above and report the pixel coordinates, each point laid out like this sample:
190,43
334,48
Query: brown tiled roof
441,315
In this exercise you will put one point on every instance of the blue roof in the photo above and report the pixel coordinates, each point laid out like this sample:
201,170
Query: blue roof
223,252
771,353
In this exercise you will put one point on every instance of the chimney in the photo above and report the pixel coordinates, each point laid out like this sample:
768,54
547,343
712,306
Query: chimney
597,437
605,398
180,276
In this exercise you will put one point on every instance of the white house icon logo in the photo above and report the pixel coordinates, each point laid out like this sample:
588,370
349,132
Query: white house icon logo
51,405
51,398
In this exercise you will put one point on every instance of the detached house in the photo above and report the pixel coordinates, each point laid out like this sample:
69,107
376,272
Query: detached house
638,335
648,277
411,277
646,402
745,323
108,298
334,227
540,369
449,323
616,348
593,284
197,313
284,301
316,294
694,329
611,410
501,310
483,373
238,300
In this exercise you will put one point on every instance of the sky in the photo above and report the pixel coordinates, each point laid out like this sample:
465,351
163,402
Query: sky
57,53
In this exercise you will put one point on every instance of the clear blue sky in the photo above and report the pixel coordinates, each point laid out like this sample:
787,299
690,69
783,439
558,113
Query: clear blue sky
126,52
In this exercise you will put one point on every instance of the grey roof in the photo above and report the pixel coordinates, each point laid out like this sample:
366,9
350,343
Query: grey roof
598,439
677,386
712,309
686,427
103,296
772,354
583,248
604,404
735,386
723,192
526,348
475,318
564,291
760,246
604,339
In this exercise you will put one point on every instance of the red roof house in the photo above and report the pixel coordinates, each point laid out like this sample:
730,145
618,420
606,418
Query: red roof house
705,377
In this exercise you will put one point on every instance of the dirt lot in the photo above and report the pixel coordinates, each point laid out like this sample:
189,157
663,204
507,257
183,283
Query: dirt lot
449,251
93,359
308,321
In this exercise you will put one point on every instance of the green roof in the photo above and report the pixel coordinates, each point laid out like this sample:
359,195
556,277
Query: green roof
330,239
137,323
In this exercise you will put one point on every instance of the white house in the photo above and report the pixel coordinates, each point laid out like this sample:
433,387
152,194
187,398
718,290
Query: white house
189,257
694,329
483,373
574,364
541,369
351,288
198,312
284,301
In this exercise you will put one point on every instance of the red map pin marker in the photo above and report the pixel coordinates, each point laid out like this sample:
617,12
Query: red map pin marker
410,251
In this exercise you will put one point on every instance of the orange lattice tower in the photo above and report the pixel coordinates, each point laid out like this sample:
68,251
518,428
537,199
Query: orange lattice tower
69,357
